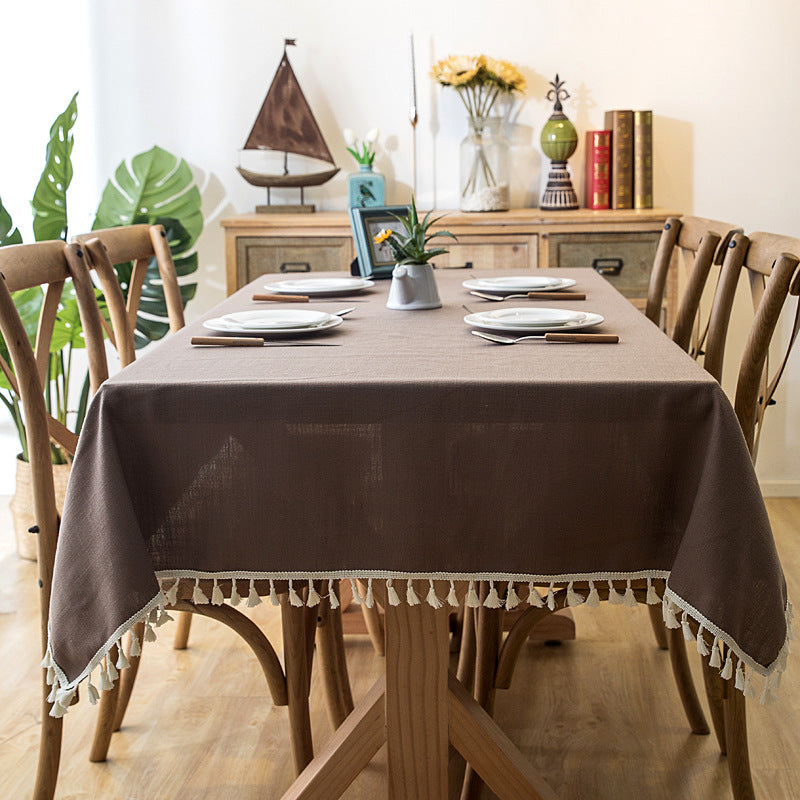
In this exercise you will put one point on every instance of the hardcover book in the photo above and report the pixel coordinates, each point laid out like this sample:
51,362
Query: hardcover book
642,159
620,123
598,169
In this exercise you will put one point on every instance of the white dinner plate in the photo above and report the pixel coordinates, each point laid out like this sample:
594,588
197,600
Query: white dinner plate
270,318
273,322
320,286
531,317
486,321
519,283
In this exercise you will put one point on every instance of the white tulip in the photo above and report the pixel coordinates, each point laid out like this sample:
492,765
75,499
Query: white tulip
372,136
350,137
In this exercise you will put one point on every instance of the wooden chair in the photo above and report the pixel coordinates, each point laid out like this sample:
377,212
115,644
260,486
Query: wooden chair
771,265
23,267
49,265
699,243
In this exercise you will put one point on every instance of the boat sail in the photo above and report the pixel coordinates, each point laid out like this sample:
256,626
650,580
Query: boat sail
286,124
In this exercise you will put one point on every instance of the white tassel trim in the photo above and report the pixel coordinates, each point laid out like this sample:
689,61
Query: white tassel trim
294,598
512,598
492,599
252,597
431,598
722,652
472,596
332,599
236,598
573,598
313,595
452,598
534,598
391,594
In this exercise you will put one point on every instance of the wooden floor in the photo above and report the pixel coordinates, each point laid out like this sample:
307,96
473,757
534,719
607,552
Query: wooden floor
599,717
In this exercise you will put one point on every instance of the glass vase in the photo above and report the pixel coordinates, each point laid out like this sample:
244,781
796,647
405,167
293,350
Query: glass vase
484,166
366,188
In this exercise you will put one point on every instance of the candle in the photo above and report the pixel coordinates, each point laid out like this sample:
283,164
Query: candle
413,108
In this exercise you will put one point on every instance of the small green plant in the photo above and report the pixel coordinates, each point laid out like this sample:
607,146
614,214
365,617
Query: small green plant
363,152
411,247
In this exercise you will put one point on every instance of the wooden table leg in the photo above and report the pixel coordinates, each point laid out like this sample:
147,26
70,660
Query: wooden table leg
421,710
417,655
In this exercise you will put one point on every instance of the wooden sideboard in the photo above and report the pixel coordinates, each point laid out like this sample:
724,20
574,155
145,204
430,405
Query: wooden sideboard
620,245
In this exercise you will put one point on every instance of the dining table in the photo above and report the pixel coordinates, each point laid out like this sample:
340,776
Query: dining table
398,450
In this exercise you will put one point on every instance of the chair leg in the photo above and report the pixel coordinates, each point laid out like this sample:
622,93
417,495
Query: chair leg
715,694
181,641
127,679
374,625
466,653
295,659
49,750
107,712
685,683
736,741
659,630
332,663
489,633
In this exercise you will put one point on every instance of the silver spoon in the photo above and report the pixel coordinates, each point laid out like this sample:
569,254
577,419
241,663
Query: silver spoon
343,311
577,338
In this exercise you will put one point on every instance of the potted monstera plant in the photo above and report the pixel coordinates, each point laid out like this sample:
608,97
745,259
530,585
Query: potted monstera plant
154,187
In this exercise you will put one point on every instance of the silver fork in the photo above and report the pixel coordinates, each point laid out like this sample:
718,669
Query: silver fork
533,296
552,336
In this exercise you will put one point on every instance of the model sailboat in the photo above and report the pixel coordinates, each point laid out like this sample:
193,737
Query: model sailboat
285,124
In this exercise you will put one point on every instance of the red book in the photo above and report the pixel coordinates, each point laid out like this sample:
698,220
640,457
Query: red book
598,169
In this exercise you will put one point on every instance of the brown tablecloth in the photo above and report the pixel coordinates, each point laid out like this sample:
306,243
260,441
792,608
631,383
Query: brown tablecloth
414,449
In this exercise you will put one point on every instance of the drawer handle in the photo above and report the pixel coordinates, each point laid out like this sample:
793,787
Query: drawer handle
607,266
295,266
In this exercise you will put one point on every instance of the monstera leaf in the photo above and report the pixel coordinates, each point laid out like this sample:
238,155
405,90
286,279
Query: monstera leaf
50,198
9,233
155,188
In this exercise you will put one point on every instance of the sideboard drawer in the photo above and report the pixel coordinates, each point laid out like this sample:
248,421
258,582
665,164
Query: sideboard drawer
625,259
258,255
488,252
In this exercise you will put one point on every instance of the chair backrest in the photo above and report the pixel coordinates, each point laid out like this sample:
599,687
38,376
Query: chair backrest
136,243
700,243
771,265
49,265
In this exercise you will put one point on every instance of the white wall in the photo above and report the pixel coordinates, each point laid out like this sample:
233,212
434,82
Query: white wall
191,75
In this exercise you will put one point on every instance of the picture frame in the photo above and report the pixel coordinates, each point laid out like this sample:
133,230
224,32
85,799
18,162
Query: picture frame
374,260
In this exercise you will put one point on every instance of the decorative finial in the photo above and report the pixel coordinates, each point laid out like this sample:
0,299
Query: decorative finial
557,93
293,43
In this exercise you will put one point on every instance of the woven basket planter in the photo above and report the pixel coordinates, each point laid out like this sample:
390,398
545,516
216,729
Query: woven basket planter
22,505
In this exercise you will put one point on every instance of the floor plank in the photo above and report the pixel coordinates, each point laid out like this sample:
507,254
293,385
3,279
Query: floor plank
598,717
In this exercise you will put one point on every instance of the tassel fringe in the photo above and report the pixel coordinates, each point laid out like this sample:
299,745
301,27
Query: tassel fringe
722,653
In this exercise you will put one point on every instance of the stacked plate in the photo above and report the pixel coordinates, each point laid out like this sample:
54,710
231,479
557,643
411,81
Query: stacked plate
320,286
271,323
532,319
519,283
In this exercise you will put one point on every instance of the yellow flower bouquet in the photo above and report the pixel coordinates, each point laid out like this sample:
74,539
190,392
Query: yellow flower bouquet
479,81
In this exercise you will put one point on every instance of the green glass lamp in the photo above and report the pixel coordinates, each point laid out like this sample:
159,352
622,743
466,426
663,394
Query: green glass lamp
559,140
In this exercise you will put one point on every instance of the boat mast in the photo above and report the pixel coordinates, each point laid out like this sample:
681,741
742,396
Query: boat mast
287,43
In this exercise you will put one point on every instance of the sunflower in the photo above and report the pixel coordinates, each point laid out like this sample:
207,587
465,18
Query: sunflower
508,77
457,70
